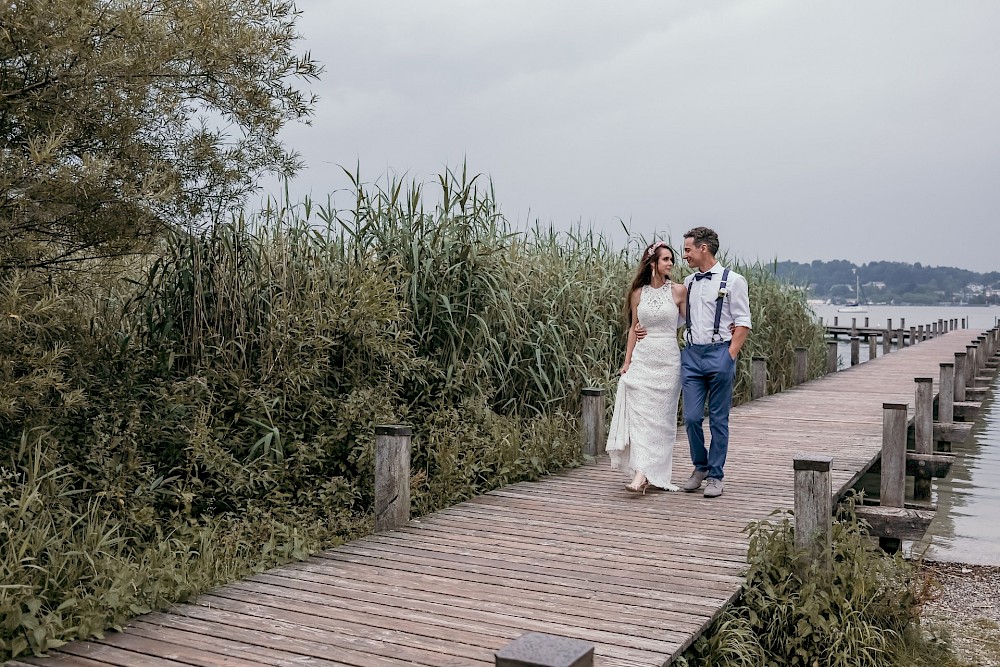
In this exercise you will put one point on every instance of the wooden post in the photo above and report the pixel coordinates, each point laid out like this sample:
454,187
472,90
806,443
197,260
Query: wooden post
835,318
813,507
872,348
801,364
900,339
913,335
902,323
920,333
592,415
854,326
923,432
970,365
536,649
964,323
855,350
887,341
831,356
946,400
392,476
888,324
893,476
960,376
866,323
758,377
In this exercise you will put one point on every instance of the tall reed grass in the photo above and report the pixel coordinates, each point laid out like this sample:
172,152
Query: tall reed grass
210,411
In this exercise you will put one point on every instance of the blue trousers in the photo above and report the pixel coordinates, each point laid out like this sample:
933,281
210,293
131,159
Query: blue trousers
707,372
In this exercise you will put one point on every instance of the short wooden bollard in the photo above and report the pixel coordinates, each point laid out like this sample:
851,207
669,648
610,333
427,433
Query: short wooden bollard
923,432
831,356
536,649
920,333
970,366
801,364
900,339
813,507
902,323
758,377
960,376
887,341
888,324
913,336
592,416
872,348
892,485
855,350
392,476
946,401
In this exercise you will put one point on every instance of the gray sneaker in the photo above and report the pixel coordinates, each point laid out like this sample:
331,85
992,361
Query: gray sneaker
694,481
714,488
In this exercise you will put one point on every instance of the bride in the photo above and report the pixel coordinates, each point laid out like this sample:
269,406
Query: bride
644,422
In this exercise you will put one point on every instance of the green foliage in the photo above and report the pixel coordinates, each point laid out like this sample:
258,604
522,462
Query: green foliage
863,611
210,411
118,119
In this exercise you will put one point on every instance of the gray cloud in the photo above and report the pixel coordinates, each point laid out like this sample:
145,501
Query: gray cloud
799,130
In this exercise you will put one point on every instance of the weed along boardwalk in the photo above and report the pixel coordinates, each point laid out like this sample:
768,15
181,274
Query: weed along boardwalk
575,555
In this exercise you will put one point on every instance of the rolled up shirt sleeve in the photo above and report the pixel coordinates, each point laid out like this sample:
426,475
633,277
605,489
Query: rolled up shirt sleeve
739,302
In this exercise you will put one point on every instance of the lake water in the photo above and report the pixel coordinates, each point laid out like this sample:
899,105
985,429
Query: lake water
966,528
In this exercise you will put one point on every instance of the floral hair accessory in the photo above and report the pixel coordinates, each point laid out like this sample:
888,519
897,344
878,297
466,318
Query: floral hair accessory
653,248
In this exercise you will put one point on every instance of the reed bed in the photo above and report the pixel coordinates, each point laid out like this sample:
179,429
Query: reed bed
210,411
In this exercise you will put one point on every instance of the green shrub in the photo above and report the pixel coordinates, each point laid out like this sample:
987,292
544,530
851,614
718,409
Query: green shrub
862,612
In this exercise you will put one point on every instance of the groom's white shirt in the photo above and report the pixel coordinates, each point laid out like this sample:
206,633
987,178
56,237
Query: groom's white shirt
702,295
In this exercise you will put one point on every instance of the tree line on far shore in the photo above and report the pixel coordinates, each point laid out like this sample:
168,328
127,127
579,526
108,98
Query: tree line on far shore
898,283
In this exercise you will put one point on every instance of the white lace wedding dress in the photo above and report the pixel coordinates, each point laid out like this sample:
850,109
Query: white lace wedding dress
644,423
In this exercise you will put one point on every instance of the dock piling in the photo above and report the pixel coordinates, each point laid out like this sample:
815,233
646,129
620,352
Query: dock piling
392,476
592,415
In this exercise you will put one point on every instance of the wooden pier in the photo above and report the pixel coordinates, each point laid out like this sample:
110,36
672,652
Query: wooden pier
574,555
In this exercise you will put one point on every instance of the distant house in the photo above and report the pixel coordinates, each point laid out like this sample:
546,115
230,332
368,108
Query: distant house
875,284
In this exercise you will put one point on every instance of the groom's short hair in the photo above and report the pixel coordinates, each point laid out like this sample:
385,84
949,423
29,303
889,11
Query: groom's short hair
704,235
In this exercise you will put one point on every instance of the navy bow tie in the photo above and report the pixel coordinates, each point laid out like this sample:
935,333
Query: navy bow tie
699,276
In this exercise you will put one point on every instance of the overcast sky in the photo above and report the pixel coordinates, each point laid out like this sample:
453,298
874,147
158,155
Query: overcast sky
800,130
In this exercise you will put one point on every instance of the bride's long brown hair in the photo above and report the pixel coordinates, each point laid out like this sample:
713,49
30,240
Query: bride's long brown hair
644,274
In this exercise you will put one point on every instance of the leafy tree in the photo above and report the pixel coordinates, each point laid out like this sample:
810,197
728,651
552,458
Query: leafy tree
119,118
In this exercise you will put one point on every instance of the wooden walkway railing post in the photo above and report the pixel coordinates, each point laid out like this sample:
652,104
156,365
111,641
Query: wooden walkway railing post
758,378
392,476
960,376
831,356
801,364
855,350
813,507
536,649
892,485
592,411
946,401
923,433
970,366
872,348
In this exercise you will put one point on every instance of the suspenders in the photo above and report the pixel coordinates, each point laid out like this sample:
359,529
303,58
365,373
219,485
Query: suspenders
718,310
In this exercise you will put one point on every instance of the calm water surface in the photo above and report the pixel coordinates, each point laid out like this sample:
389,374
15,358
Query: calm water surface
966,526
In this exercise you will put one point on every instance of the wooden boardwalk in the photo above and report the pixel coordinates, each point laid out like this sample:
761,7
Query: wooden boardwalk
573,555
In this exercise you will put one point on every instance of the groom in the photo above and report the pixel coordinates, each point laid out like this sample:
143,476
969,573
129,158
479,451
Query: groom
718,322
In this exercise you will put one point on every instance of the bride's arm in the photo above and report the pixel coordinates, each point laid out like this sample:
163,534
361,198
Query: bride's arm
680,298
630,340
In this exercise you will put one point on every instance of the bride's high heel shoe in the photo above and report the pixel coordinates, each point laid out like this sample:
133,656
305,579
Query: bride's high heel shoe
641,488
